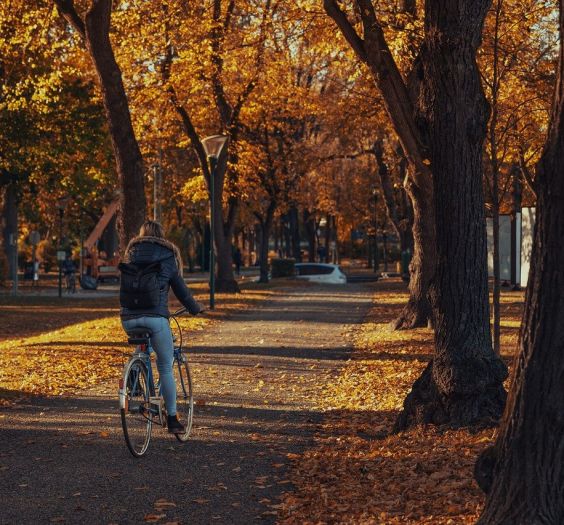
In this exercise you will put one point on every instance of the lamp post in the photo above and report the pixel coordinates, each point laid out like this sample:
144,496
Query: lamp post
213,146
157,183
61,205
376,262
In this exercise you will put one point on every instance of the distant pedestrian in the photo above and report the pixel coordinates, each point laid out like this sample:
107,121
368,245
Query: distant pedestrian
69,270
237,259
35,271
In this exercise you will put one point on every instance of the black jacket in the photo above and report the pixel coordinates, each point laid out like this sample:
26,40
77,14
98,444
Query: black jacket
145,250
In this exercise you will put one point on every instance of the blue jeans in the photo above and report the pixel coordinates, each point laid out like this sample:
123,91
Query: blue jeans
161,341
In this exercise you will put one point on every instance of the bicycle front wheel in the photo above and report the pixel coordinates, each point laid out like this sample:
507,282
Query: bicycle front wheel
135,407
184,395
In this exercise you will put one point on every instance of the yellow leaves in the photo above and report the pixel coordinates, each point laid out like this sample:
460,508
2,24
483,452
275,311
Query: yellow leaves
75,357
195,189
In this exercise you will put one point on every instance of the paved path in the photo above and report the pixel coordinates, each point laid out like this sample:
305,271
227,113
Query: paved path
257,376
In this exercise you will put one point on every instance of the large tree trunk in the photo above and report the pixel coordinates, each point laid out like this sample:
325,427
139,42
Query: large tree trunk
95,30
463,384
524,472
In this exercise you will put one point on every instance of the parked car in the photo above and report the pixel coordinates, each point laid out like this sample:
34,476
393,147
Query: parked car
321,273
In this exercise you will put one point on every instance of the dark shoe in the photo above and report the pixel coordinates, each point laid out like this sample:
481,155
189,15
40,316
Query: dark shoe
174,426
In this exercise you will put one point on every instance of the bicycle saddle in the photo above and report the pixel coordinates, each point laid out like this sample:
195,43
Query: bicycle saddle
139,336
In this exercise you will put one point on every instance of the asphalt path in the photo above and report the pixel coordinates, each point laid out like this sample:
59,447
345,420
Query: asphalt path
258,376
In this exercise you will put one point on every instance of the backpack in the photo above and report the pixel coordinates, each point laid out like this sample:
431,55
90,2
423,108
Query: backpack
87,282
139,285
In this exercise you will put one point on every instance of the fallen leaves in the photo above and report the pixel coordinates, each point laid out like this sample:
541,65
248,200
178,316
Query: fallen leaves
360,474
59,347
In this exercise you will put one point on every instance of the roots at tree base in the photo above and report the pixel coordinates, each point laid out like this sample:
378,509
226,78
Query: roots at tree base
415,314
472,394
227,286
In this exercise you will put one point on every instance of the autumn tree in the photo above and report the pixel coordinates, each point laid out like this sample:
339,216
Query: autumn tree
522,473
515,61
218,67
53,136
93,28
439,114
373,50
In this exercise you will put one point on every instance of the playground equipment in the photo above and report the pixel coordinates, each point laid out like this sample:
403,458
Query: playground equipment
97,263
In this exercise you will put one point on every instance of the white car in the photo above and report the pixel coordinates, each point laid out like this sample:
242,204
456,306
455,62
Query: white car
321,273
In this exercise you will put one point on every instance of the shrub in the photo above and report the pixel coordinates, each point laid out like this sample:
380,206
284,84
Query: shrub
282,267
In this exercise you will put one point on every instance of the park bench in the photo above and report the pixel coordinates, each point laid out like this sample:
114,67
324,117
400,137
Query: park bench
108,272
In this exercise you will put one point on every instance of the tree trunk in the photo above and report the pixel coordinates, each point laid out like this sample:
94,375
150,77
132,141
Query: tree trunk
419,228
10,215
265,228
286,241
463,384
523,472
95,30
295,233
494,162
417,311
223,238
309,224
496,268
224,228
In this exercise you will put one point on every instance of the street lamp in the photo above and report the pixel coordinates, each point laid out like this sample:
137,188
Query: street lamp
376,261
213,146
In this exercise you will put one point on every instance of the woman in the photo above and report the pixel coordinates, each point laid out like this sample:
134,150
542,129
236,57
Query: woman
148,248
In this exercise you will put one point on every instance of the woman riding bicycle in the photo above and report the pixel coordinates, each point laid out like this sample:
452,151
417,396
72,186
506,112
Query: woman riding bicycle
148,248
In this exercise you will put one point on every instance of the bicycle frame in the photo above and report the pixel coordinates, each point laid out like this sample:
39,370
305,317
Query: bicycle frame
157,414
140,399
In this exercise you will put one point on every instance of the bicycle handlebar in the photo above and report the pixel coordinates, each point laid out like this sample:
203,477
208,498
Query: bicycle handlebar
178,312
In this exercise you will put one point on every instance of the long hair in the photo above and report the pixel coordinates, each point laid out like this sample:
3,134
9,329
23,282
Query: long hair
151,229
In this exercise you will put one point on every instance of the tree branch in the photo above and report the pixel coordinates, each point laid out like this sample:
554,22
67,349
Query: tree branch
349,32
68,11
527,175
216,36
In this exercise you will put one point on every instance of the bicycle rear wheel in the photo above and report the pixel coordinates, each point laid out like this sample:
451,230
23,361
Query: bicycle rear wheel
184,395
134,407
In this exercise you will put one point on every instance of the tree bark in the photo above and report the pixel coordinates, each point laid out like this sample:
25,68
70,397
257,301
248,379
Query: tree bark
417,311
463,384
524,471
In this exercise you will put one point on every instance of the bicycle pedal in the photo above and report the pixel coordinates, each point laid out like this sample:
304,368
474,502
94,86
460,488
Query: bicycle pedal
157,405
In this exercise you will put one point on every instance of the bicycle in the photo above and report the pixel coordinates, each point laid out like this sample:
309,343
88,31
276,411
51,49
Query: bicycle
140,400
71,282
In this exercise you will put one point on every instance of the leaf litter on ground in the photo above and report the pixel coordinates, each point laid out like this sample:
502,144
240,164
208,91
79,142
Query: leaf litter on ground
358,472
